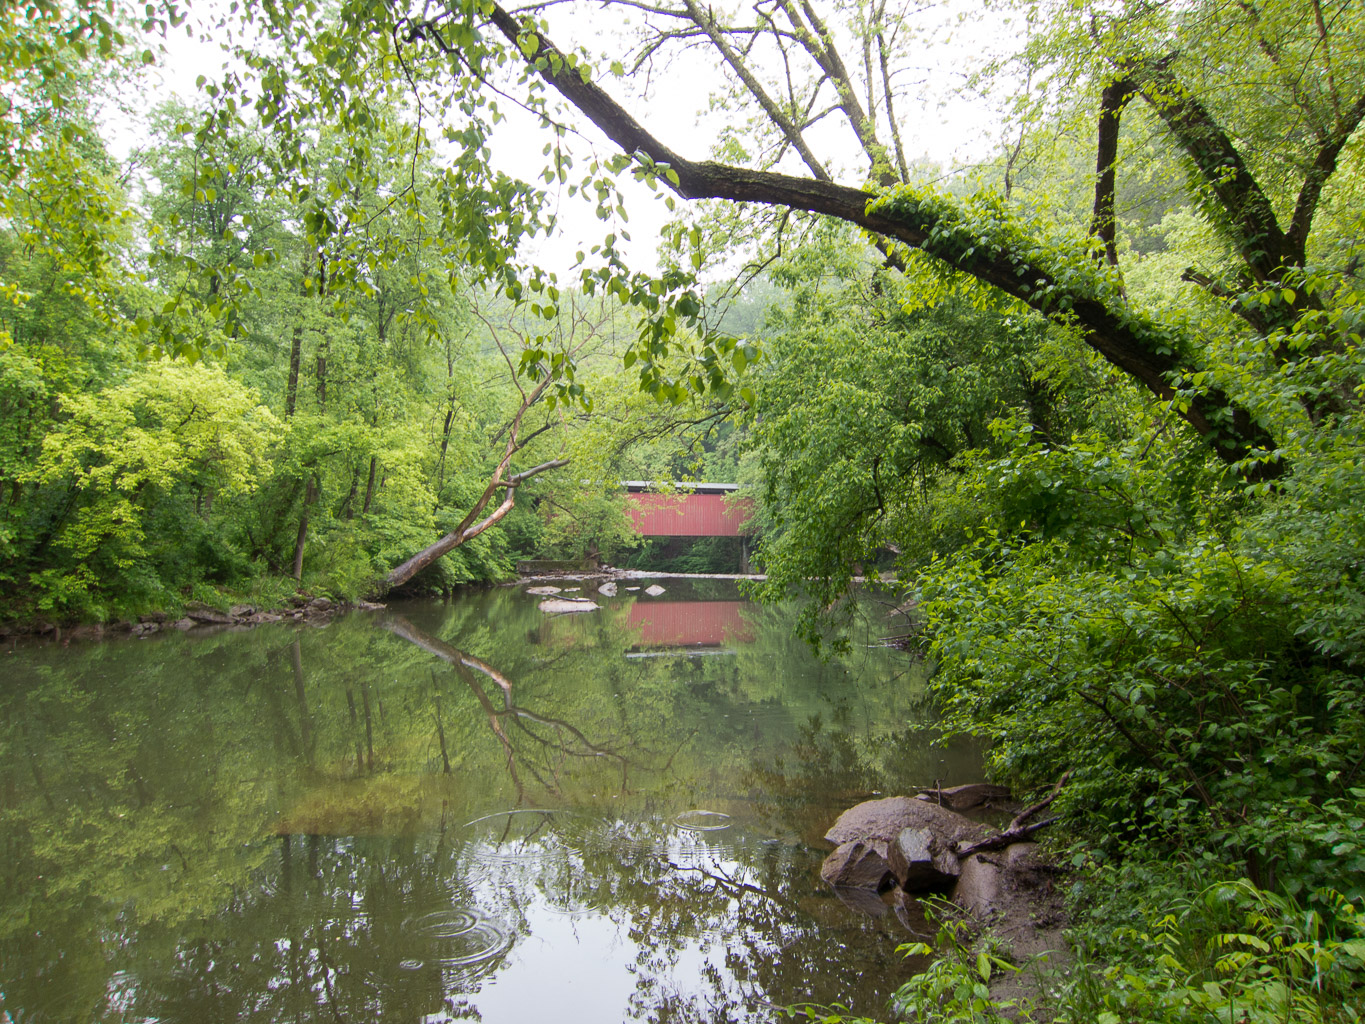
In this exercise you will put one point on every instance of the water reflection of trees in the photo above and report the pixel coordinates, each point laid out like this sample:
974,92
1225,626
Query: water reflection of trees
565,740
246,821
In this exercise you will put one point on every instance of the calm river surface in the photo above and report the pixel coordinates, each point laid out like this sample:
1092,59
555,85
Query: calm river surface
450,811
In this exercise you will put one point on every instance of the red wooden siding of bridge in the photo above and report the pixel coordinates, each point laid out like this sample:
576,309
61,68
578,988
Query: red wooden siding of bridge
689,623
688,515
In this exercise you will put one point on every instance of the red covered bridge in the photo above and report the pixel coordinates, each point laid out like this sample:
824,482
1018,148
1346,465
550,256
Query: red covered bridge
692,510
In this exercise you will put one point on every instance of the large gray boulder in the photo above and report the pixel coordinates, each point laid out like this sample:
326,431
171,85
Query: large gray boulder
898,837
884,820
202,613
563,605
979,886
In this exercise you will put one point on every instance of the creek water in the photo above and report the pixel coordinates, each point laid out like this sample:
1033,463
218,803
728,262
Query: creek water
450,811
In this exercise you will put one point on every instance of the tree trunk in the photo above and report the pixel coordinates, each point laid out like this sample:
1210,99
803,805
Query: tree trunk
1102,225
348,506
369,486
445,443
291,390
308,498
471,526
322,377
468,528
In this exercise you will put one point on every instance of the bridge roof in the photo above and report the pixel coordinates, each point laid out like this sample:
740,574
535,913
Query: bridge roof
641,486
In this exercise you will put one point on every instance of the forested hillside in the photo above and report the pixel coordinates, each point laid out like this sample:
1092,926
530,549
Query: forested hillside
224,378
1094,401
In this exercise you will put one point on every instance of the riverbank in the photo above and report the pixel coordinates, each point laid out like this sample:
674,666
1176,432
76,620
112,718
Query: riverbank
234,611
196,617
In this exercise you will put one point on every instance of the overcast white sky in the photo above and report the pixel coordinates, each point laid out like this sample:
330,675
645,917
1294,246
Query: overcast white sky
936,123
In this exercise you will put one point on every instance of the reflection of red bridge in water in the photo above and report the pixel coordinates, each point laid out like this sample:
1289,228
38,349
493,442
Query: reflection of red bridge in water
694,510
690,623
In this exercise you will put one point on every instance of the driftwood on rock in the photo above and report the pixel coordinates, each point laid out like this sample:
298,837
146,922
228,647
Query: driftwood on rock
1020,828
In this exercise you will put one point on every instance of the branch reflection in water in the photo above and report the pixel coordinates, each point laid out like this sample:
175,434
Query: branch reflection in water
472,811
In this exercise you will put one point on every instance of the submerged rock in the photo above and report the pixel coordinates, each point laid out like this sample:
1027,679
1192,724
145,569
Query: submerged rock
542,591
564,605
864,901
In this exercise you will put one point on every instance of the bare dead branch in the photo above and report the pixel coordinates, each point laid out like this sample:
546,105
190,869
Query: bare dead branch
1020,828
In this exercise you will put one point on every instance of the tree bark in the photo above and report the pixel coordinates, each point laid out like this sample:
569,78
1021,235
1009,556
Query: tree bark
322,377
369,486
348,506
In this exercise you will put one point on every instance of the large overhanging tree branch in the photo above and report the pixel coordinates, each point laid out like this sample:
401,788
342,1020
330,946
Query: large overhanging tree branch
1155,355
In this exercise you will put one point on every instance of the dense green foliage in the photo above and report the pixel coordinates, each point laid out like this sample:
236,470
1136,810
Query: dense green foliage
134,481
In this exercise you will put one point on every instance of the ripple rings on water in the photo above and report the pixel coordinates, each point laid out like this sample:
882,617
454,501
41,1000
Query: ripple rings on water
702,821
